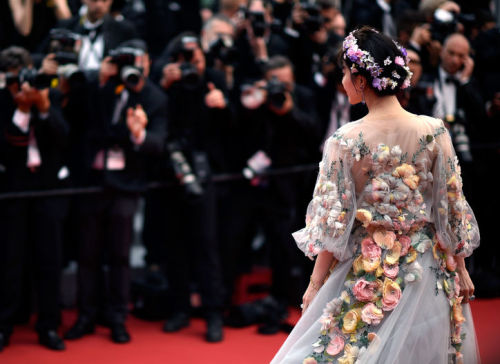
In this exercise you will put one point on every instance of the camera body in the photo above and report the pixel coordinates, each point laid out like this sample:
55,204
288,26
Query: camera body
125,59
190,78
445,23
313,20
276,92
31,76
65,45
258,23
223,50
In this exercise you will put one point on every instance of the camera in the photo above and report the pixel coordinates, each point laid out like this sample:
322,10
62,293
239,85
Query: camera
182,169
313,20
258,23
65,45
29,75
125,59
461,140
222,48
276,92
445,23
190,79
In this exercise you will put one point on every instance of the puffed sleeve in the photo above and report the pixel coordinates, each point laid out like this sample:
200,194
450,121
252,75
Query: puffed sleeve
331,212
456,226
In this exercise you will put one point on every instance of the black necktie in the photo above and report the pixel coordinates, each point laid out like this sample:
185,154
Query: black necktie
92,33
452,80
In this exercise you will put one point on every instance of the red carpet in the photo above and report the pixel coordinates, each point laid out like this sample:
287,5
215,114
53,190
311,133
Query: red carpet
242,346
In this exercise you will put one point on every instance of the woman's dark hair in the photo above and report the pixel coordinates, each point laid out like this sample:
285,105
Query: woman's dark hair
380,47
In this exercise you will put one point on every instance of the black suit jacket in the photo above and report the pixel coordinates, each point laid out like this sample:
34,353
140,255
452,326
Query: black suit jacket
113,31
469,103
288,140
103,135
51,136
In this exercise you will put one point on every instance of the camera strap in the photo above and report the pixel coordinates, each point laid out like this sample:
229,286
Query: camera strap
120,106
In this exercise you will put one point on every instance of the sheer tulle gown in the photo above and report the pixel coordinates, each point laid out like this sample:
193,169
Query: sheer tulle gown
388,204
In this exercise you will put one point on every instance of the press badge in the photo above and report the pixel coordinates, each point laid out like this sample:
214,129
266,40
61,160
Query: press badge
115,160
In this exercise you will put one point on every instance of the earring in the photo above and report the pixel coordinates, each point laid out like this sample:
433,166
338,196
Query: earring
363,95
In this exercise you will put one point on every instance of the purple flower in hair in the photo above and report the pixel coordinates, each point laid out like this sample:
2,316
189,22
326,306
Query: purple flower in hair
376,83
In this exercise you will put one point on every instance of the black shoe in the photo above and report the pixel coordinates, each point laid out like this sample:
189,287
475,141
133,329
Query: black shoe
83,326
119,334
4,341
178,321
50,339
214,328
269,328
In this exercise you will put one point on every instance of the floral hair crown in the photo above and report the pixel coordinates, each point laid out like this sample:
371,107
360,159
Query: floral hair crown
363,59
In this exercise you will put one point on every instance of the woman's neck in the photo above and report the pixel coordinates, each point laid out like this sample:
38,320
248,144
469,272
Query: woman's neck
383,106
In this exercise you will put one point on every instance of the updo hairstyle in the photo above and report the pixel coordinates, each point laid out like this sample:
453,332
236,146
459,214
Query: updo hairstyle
378,58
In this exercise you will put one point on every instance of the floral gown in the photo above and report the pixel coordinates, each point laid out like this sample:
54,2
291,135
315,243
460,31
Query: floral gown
388,204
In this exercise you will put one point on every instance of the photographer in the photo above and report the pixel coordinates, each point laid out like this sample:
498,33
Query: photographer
127,124
99,31
217,39
316,35
458,100
278,129
258,41
199,118
33,136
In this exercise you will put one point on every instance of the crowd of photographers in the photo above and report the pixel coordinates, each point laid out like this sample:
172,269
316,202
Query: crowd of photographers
125,93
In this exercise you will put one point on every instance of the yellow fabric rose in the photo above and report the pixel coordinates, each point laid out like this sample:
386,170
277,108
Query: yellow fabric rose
384,239
309,360
351,320
404,170
370,265
412,181
357,265
411,256
393,255
364,216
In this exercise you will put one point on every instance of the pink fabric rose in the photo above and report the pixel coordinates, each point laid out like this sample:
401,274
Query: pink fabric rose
365,291
335,346
405,244
371,314
370,249
391,271
391,294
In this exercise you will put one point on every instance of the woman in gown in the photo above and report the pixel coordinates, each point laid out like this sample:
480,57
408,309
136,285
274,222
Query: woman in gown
389,215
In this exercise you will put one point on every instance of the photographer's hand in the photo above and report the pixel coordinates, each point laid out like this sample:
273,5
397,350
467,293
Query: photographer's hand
285,108
136,123
214,99
108,69
171,73
49,65
421,35
23,98
41,100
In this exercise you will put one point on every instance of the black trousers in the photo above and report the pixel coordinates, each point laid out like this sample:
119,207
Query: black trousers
180,233
106,227
31,234
246,209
